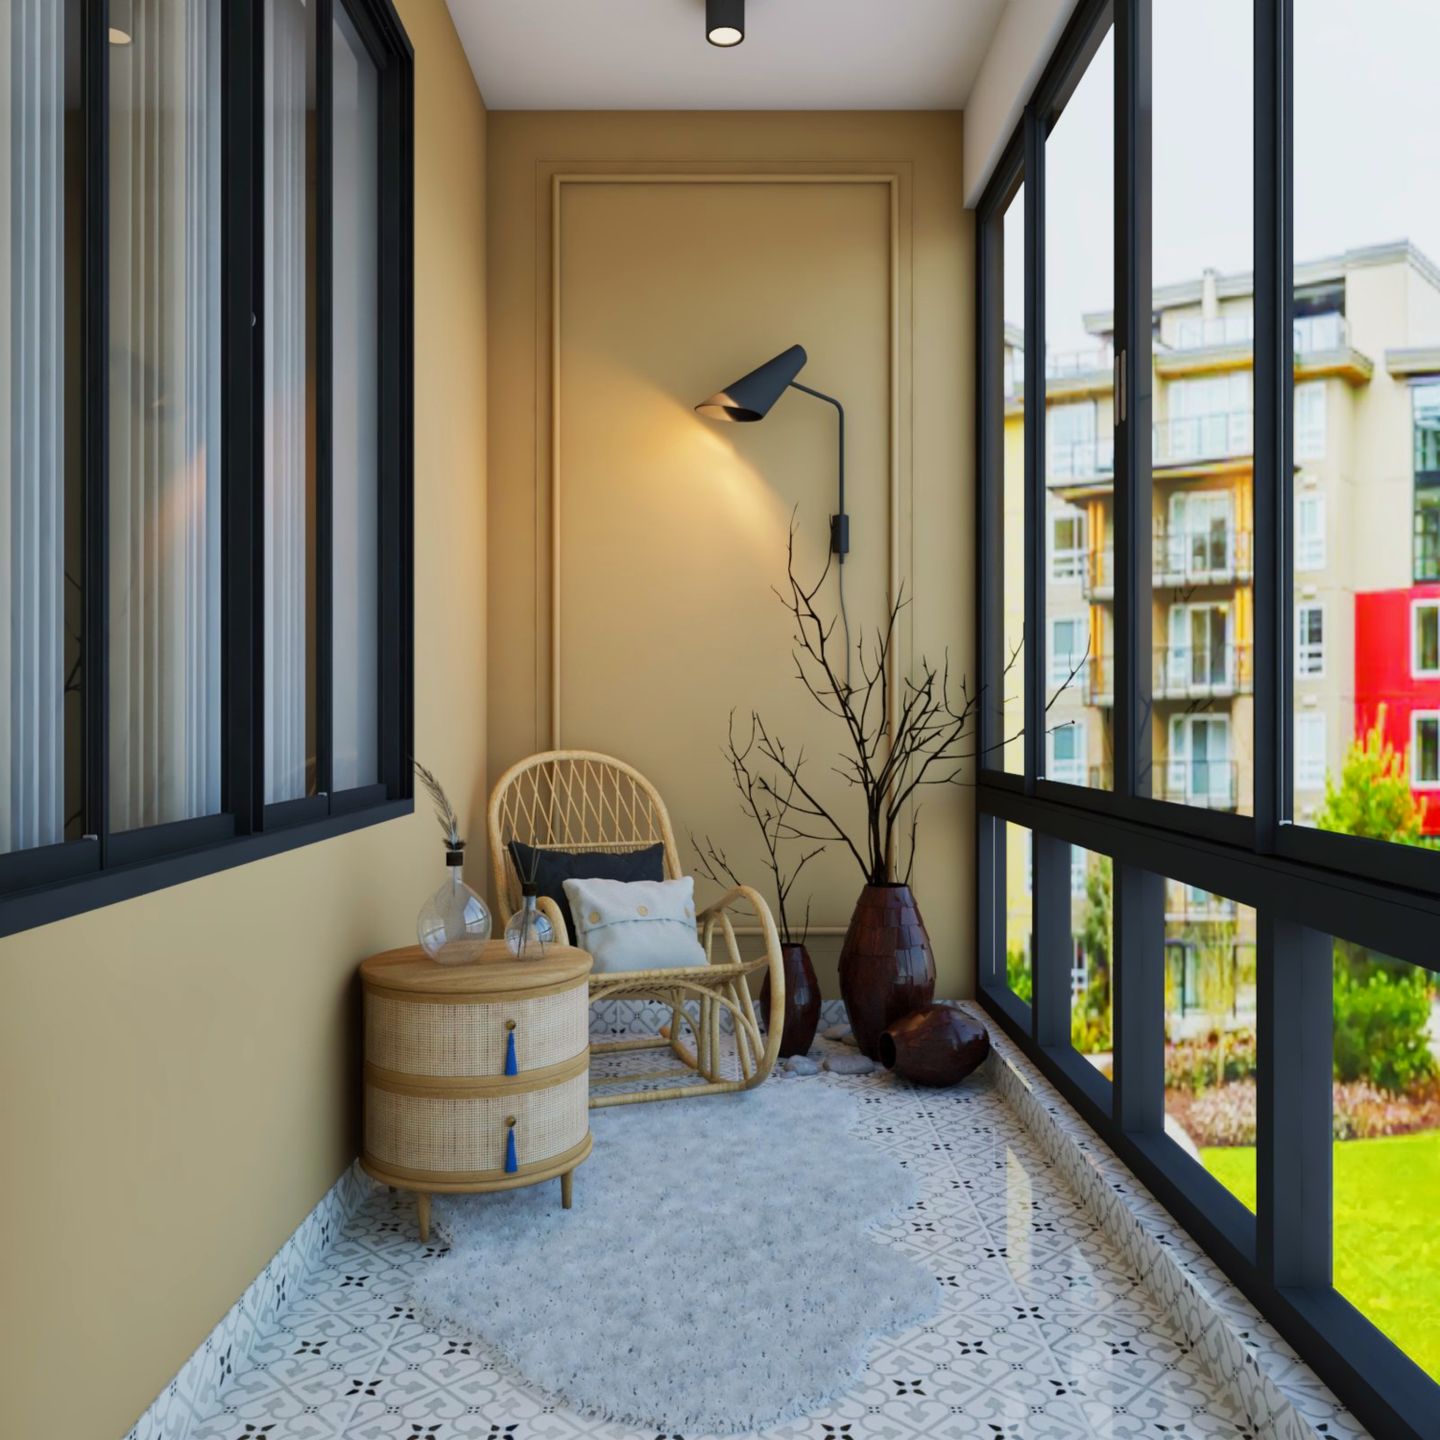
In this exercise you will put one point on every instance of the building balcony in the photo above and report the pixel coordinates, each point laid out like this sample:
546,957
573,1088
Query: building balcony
1199,439
1197,672
1081,462
1313,334
1201,557
1183,557
1207,784
1100,680
1097,580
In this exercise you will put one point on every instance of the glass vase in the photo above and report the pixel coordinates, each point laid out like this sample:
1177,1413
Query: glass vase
454,923
529,931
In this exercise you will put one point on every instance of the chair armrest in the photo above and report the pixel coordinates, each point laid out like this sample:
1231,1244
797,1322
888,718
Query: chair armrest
551,911
736,898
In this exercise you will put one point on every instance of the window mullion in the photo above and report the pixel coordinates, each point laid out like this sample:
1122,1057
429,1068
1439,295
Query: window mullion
1274,518
324,397
1053,948
1132,398
244,319
1294,1164
1138,990
96,310
1034,543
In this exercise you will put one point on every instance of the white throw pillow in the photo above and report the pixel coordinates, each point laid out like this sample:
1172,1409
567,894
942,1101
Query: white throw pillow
636,924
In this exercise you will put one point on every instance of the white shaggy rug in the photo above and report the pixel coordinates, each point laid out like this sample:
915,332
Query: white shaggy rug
715,1274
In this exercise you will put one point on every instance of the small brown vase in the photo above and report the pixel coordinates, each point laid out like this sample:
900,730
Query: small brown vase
887,968
934,1046
802,1001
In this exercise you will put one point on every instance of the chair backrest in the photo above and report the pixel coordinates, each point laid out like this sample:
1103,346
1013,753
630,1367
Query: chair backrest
574,800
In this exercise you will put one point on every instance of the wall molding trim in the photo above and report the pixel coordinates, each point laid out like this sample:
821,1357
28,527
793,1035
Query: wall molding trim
552,179
197,1390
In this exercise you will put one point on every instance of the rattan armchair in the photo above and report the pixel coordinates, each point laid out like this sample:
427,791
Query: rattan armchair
579,800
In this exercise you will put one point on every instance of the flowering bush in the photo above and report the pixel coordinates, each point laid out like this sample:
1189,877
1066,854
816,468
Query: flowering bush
1216,1059
1225,1114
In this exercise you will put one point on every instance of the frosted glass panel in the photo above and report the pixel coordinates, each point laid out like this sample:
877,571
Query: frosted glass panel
355,361
289,444
165,407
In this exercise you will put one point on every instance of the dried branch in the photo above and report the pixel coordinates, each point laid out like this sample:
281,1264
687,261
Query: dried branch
444,811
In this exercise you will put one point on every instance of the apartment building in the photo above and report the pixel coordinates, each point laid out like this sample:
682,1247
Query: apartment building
1366,550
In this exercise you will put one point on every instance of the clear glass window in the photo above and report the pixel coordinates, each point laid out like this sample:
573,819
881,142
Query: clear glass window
1066,753
1425,633
1211,1058
1310,419
1425,749
1309,641
1386,1164
1067,541
1310,531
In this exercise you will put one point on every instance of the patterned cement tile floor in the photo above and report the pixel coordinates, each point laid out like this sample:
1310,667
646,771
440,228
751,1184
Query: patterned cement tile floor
1043,1335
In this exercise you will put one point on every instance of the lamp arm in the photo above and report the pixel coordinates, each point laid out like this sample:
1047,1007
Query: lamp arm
840,523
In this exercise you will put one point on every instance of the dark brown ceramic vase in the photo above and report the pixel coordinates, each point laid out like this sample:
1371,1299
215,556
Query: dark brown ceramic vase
802,1002
887,968
934,1046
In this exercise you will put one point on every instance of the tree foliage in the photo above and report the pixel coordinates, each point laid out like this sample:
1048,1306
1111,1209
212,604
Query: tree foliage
1372,796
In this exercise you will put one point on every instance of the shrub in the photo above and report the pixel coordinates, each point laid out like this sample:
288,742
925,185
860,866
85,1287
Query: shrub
1381,1016
1017,973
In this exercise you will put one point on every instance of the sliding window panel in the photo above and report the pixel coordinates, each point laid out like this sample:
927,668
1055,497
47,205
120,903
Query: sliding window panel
1078,584
355,409
1386,1167
1007,680
1211,1048
1092,936
1365,555
289,404
1196,587
164,540
42,678
1018,899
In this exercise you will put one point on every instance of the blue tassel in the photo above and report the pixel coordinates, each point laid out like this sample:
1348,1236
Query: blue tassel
511,1164
511,1066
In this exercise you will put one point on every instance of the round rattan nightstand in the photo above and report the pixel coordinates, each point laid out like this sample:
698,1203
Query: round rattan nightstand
477,1077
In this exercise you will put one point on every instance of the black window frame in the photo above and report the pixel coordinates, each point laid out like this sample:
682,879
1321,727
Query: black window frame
47,883
1305,886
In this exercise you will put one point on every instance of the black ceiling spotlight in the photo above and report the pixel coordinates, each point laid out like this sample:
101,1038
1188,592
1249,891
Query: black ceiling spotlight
725,22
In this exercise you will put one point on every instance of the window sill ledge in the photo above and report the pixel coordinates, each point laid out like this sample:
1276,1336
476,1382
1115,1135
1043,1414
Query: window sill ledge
27,909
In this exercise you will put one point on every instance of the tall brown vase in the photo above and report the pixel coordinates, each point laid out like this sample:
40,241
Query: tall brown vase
887,968
802,1002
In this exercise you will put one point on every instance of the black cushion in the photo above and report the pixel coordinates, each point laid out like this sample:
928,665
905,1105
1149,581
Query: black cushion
550,869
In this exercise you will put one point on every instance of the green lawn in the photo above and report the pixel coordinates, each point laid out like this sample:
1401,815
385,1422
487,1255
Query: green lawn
1387,1239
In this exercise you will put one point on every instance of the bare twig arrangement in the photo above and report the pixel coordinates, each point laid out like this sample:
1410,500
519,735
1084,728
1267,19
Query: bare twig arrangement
767,802
444,811
932,742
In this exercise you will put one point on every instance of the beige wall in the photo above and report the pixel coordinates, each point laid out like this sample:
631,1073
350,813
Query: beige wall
178,1071
689,248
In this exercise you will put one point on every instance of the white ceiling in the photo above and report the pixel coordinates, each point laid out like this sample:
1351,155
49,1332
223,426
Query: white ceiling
797,54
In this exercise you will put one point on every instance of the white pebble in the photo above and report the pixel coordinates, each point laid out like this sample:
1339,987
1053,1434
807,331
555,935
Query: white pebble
850,1064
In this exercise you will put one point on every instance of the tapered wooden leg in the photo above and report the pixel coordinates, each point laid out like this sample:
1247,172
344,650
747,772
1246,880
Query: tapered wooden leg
567,1189
422,1213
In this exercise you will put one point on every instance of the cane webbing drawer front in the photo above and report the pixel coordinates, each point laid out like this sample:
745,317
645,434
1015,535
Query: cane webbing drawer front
436,1038
476,1076
442,1137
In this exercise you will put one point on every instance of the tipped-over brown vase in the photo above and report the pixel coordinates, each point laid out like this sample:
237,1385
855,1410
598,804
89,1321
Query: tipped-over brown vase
887,968
935,1046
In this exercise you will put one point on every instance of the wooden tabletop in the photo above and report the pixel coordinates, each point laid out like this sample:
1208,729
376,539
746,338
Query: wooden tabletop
497,970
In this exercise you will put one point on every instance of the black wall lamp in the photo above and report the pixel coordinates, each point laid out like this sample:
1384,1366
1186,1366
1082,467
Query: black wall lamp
725,22
750,398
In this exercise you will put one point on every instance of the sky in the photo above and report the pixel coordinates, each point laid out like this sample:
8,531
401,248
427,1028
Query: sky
1364,166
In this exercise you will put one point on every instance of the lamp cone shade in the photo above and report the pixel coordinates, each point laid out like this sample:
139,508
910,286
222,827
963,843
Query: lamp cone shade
752,395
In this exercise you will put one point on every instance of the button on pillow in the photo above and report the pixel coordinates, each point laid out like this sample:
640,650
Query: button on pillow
636,925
